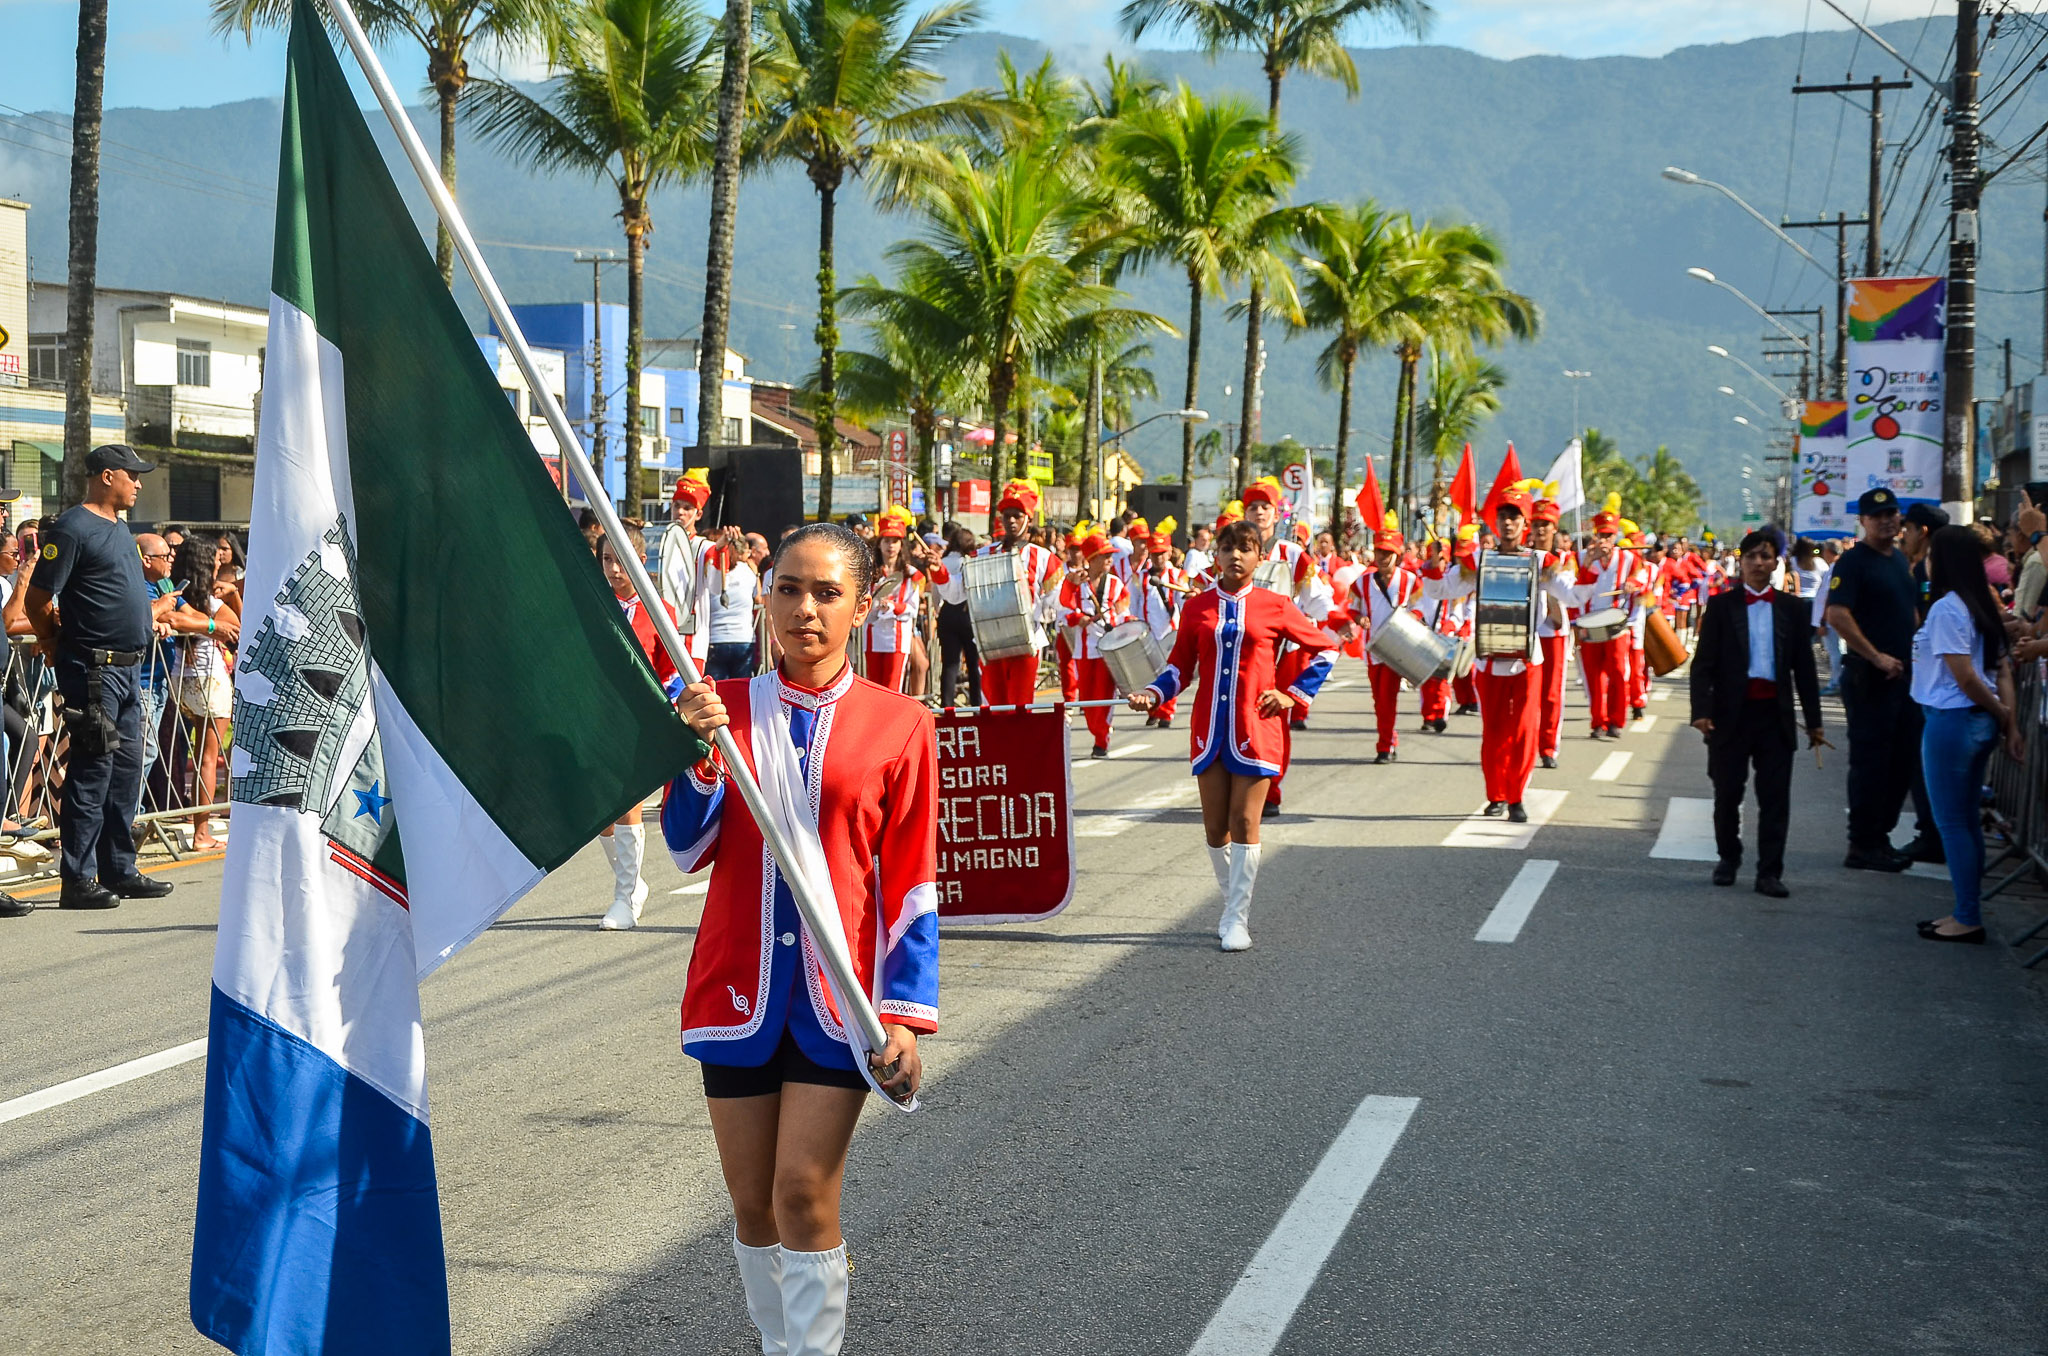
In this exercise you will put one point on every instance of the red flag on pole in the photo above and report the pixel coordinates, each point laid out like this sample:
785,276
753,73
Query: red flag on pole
1372,510
1510,472
1465,488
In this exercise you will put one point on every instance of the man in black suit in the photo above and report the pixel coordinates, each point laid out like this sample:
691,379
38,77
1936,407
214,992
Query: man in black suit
1755,646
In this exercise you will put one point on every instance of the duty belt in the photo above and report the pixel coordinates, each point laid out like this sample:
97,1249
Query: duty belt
117,659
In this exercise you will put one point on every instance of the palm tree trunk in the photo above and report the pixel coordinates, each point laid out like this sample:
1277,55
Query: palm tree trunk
827,408
1002,379
725,198
1350,360
1412,361
1194,389
446,92
926,422
1400,423
83,280
1091,432
1248,412
636,262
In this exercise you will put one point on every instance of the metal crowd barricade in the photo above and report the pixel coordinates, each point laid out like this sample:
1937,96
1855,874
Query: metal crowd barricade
38,747
2019,800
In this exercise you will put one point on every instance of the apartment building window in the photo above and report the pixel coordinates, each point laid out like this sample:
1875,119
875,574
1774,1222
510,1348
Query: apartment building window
195,493
46,357
732,432
512,393
195,363
53,482
650,419
677,414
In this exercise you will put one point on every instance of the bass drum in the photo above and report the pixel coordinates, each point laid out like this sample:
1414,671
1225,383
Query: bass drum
1510,596
1458,662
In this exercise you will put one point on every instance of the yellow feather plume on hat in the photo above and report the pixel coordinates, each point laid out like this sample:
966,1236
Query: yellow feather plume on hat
1469,532
1613,502
1164,527
1083,528
1392,522
1533,487
1626,526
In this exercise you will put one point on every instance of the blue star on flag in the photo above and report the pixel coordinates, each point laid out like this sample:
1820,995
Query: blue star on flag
369,803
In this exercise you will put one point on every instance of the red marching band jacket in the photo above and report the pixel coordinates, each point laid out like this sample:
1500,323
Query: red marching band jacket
872,774
1231,640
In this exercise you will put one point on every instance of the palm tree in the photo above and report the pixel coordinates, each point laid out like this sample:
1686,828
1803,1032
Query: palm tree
736,45
82,277
849,89
1203,180
636,105
1666,498
448,30
1464,390
1288,35
905,373
1350,262
992,280
1605,470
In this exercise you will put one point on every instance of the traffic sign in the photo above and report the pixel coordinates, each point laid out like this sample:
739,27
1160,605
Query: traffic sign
1294,477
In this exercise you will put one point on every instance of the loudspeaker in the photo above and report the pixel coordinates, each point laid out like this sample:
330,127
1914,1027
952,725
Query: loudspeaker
759,488
1153,502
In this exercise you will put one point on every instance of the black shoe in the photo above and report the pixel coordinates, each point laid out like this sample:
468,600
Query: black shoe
1974,937
1598,733
1516,814
1724,873
1467,709
10,907
1637,711
1772,886
1876,859
1925,849
1099,751
139,886
1442,725
1548,760
87,894
1386,757
1495,808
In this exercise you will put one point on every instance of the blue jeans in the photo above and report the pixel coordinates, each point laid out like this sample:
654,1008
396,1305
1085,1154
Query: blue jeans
734,659
151,696
1955,746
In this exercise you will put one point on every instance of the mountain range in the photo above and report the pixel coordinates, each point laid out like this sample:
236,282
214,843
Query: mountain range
1560,158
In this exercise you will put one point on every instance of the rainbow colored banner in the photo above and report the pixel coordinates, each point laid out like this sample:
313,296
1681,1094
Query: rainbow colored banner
1821,509
1897,338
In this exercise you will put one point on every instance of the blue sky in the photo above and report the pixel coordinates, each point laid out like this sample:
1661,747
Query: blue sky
163,54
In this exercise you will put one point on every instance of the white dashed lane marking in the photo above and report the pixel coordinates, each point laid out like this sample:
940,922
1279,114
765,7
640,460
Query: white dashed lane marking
1611,766
1504,924
99,1082
1687,834
1148,805
1477,831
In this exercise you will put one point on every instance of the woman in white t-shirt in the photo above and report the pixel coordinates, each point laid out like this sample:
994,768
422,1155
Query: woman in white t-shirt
1962,678
730,652
200,675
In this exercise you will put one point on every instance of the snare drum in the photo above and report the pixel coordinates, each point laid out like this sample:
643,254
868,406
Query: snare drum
1604,625
1509,598
999,606
1409,648
1276,575
1133,655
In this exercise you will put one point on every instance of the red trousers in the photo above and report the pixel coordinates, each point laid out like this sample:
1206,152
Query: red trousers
1552,689
1607,681
1638,675
1096,685
1069,676
1386,703
1436,698
1010,682
886,669
1464,690
1508,712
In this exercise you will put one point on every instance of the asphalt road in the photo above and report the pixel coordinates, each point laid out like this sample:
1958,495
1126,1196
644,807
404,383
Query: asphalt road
1662,1118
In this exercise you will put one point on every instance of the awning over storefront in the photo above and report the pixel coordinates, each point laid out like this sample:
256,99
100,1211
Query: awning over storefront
51,451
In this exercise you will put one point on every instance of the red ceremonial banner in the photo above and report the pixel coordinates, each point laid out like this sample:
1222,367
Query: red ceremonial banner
1006,818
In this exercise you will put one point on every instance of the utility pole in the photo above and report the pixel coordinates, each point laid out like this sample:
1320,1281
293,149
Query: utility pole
1840,226
597,259
1959,387
1812,356
1873,215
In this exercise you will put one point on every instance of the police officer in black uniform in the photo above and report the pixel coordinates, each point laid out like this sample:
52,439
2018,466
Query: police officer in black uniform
89,606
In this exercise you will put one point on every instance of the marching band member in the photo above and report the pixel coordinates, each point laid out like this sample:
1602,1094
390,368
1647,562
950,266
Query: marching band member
1448,616
1609,576
1639,619
1553,628
1386,589
1510,701
1091,604
1158,601
783,1079
1013,681
1230,635
1262,501
1347,601
1064,637
687,565
625,841
891,627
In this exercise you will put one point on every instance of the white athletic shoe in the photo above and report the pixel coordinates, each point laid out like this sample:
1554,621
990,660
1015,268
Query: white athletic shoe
814,1301
761,1276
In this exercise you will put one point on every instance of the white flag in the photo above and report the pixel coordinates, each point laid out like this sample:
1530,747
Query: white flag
1564,473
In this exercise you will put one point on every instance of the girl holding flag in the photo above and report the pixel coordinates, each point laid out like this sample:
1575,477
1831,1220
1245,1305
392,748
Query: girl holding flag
1230,635
781,1072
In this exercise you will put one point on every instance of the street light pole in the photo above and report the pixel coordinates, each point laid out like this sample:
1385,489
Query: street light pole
1720,352
1679,176
1575,377
1706,277
1185,416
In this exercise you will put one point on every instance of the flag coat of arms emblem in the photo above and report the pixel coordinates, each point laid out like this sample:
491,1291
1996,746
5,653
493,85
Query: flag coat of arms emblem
438,701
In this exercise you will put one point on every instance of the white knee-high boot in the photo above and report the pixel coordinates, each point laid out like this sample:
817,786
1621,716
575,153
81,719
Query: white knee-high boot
629,892
1233,932
1219,861
814,1301
761,1275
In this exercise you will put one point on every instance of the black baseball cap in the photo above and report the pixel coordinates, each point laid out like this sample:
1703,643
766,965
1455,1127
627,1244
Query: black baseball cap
115,457
1930,516
1879,500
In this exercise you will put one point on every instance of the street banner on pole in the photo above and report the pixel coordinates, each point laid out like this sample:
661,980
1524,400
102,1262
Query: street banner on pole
1823,508
1897,341
1006,820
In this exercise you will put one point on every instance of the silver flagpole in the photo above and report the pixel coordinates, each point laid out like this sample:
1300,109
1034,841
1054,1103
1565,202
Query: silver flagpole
831,942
